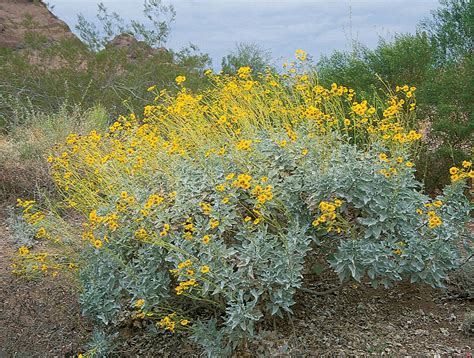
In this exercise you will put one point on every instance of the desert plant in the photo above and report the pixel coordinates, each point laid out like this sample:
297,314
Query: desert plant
155,33
247,55
438,61
217,201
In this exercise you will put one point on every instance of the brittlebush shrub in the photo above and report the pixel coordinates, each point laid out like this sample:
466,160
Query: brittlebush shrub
201,214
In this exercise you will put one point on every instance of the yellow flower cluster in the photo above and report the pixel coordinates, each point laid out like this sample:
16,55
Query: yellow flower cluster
40,263
139,303
185,285
243,181
168,323
463,172
141,234
433,219
189,229
180,79
409,93
244,72
152,201
244,144
32,217
165,231
301,55
214,223
23,251
206,208
396,164
328,215
263,194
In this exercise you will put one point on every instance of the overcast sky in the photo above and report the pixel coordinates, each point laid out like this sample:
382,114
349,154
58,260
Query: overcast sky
282,26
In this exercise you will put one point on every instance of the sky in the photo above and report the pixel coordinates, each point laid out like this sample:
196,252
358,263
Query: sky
281,26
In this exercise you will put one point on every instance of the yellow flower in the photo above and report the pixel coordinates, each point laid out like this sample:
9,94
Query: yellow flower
206,239
205,269
383,157
466,164
304,152
409,164
23,251
180,79
434,221
243,181
323,206
139,303
167,322
213,223
301,55
220,187
97,244
184,322
151,88
438,203
244,144
247,219
41,232
453,170
229,176
244,72
225,200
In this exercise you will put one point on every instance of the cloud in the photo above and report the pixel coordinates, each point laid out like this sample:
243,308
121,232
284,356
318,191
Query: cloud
282,26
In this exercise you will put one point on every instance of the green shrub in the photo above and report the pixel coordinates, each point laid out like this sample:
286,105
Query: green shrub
66,73
201,216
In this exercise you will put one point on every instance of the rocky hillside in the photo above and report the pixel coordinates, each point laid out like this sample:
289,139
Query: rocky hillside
19,18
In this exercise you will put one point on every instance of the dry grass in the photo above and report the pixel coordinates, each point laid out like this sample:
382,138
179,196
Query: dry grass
24,170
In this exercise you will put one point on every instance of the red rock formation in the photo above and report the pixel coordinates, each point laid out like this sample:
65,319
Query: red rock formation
20,17
134,48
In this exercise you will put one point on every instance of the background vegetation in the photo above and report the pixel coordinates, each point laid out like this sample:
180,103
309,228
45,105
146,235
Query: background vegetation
437,60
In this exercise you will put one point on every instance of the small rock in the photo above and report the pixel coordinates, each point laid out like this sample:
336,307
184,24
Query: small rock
420,332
